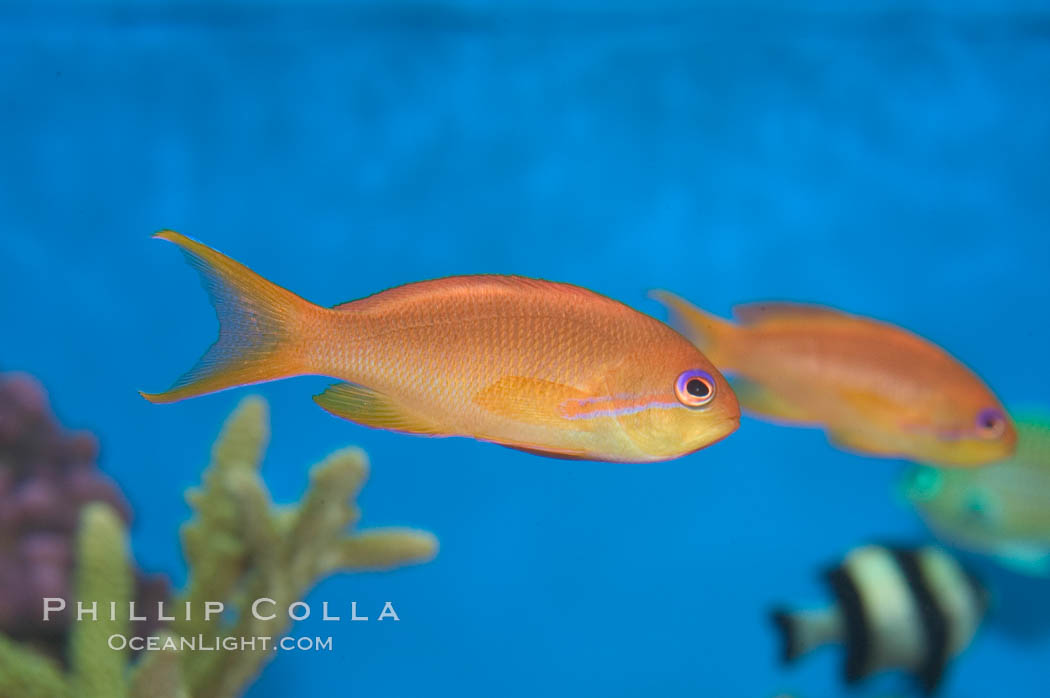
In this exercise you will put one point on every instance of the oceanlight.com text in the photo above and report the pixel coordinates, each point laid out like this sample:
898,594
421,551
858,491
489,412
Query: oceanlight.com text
203,643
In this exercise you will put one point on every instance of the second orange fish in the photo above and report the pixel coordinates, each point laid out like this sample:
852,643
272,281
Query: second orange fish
876,388
544,367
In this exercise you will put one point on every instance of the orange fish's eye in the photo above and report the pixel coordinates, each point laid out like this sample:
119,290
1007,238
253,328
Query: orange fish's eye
991,423
695,388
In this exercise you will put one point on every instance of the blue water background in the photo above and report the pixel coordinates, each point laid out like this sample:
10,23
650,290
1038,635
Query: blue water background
888,159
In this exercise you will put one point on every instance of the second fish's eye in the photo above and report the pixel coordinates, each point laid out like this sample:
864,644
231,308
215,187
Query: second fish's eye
695,388
991,423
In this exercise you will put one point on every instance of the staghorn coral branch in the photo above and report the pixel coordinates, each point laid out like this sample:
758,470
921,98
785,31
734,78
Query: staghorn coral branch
212,541
326,512
378,550
244,437
28,674
327,507
159,674
257,520
103,578
280,552
239,547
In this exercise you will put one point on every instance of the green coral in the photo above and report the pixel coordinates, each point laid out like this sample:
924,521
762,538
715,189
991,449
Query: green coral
159,674
239,547
103,577
27,674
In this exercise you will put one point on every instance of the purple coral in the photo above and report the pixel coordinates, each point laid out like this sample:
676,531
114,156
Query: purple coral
47,473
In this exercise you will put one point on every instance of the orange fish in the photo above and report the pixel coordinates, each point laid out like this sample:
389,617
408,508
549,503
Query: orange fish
875,388
540,366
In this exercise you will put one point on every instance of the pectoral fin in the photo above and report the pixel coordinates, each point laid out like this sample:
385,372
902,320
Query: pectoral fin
866,404
530,400
373,409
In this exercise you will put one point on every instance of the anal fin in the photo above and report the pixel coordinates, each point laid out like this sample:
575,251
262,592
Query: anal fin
546,453
858,442
373,409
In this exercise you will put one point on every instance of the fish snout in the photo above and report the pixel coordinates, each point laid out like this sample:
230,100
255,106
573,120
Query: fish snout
729,423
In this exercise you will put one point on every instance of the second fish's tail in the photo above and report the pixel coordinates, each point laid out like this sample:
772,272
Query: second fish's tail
259,325
712,335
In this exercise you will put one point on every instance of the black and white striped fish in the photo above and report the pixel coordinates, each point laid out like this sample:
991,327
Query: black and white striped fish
912,609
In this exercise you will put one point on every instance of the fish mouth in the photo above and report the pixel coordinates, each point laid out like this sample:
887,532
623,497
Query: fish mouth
710,436
724,427
717,431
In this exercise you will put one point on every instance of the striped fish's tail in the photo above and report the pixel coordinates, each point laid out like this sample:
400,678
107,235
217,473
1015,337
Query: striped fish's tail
258,323
802,631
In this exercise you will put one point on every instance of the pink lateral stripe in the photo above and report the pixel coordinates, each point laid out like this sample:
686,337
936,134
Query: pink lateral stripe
612,406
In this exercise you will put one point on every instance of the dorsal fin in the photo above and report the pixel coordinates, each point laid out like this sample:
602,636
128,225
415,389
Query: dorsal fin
470,285
753,313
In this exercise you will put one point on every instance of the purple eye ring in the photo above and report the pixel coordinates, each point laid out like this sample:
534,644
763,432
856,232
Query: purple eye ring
695,388
991,423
